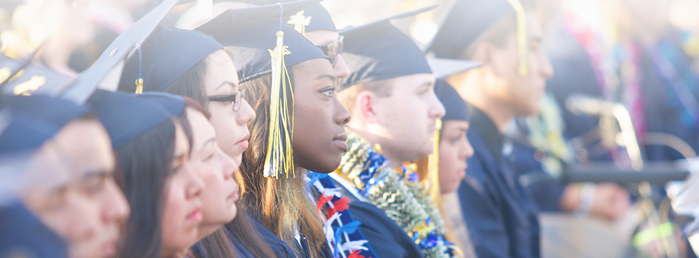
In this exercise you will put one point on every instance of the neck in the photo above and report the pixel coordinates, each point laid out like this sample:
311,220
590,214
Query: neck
371,138
174,254
207,229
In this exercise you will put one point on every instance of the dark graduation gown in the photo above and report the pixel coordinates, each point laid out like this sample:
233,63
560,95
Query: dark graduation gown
23,235
546,190
236,245
282,249
501,215
387,239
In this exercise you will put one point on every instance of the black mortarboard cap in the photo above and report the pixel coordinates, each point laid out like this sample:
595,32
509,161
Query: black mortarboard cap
316,17
34,120
23,78
106,71
126,116
165,56
467,20
251,32
379,51
454,105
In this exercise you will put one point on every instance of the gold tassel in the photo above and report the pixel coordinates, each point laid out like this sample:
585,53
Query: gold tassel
522,41
435,192
279,157
139,86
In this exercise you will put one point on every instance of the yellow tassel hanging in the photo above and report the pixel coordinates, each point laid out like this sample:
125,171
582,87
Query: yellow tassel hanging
279,157
522,42
435,192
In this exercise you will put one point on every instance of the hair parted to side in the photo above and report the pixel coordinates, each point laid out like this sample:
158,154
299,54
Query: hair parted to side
281,204
382,88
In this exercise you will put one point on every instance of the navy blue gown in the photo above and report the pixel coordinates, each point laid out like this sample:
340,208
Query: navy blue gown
23,235
501,214
387,239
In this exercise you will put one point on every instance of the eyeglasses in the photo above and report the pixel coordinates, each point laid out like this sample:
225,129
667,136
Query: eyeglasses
333,49
235,99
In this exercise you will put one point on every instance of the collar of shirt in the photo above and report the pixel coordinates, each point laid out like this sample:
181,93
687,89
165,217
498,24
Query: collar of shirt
488,131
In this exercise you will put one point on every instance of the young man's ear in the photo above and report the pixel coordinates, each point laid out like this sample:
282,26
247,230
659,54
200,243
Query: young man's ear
366,106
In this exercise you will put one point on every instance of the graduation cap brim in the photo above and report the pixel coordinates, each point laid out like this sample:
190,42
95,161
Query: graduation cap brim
443,67
106,71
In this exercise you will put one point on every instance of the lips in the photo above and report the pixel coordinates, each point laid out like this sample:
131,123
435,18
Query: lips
235,195
341,141
243,143
195,215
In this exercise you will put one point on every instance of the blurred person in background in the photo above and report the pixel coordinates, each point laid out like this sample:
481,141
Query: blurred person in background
501,216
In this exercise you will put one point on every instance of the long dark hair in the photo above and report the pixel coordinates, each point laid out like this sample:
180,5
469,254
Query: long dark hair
282,204
144,165
241,227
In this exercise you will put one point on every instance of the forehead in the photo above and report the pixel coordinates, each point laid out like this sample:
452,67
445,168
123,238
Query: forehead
534,26
84,145
202,130
410,82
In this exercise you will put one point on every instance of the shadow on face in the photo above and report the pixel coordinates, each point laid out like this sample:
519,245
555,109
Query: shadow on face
319,138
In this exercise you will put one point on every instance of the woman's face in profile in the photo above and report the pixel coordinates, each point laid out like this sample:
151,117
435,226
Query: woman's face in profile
319,138
182,207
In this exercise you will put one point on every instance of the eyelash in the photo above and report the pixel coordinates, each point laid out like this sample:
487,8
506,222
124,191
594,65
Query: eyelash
328,92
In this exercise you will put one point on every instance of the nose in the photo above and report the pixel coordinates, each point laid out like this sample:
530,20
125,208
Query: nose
194,184
340,68
246,114
117,208
467,150
227,164
342,116
436,109
546,67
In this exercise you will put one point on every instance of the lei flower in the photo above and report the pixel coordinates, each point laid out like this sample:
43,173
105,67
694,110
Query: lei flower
341,230
399,194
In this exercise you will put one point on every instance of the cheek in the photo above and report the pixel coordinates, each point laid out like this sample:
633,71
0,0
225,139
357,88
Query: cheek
173,214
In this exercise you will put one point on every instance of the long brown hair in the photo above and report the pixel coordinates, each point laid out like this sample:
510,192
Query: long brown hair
191,86
281,204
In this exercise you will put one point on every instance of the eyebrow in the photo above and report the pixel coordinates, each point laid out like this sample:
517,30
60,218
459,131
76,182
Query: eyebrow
95,173
225,83
210,140
330,77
